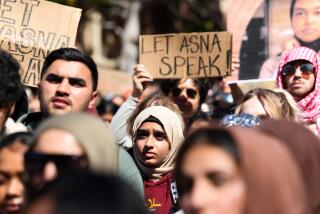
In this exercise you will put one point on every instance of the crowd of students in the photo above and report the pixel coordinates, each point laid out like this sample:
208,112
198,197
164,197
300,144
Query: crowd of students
160,150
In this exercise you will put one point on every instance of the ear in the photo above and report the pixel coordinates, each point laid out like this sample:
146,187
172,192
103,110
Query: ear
92,103
38,89
12,108
5,113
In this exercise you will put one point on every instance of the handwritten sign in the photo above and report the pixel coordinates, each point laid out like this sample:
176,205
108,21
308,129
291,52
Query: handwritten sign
186,54
30,29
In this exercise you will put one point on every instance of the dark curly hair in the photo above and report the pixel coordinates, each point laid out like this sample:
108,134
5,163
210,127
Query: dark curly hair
201,83
11,87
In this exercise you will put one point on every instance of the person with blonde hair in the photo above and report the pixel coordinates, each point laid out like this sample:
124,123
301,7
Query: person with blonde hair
268,104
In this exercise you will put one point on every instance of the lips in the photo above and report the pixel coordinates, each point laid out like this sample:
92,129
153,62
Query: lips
296,84
12,207
309,30
61,102
148,154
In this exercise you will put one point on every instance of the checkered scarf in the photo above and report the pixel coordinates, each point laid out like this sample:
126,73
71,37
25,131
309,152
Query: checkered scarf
309,105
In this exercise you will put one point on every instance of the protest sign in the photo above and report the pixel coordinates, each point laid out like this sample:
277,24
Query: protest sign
240,87
114,81
186,54
30,29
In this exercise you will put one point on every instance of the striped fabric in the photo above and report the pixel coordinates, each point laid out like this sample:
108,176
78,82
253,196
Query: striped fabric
310,105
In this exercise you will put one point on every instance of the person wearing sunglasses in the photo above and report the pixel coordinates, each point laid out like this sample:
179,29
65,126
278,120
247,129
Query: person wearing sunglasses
305,22
188,94
76,141
298,73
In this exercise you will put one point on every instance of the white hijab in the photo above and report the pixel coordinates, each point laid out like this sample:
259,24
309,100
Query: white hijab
173,126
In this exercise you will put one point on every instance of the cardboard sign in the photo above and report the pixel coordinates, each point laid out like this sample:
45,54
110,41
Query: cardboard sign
115,81
186,54
240,87
30,29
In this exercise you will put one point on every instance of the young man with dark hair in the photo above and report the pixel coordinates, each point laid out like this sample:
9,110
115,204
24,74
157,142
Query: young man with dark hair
299,74
68,83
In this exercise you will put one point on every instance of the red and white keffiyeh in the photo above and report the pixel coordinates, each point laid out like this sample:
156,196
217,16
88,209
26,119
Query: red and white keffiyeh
309,105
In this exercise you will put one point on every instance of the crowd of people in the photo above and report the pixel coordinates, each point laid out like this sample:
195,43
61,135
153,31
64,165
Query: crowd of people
172,146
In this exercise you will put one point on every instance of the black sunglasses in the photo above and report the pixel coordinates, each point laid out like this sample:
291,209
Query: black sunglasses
290,69
35,162
191,93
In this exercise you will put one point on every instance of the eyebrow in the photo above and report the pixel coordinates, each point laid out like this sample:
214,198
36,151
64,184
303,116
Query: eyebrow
75,80
306,9
143,130
54,77
159,132
72,80
5,174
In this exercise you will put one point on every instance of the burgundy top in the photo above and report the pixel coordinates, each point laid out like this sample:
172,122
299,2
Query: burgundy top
158,194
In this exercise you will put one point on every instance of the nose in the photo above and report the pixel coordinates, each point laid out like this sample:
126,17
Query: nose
15,187
183,94
63,87
50,172
198,197
298,72
310,18
149,142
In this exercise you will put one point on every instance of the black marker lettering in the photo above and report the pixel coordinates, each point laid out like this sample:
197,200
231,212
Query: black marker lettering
5,8
28,10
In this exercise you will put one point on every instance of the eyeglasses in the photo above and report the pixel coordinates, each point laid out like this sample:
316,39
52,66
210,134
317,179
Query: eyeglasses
35,162
290,69
191,93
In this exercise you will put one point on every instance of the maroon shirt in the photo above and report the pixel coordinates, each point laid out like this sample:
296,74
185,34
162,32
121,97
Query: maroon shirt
158,194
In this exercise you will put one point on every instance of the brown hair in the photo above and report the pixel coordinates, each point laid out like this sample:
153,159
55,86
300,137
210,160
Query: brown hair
155,99
278,104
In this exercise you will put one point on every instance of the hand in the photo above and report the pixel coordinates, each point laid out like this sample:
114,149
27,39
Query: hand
140,78
235,66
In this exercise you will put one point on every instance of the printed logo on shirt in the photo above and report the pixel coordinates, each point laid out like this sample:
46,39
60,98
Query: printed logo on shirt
152,204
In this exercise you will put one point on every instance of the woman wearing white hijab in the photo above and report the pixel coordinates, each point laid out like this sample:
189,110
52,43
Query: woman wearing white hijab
157,134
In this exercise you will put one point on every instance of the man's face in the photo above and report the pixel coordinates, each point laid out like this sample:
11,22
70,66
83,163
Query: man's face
306,20
187,96
65,87
12,189
299,83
